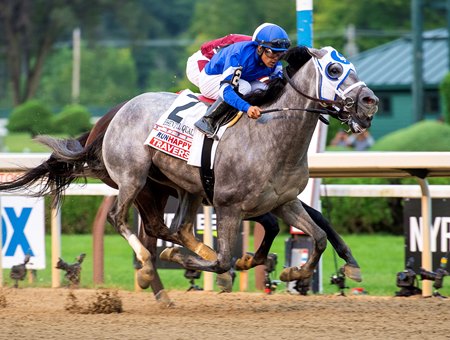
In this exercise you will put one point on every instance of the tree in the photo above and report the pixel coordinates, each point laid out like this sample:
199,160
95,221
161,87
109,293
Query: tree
215,18
331,18
108,77
30,28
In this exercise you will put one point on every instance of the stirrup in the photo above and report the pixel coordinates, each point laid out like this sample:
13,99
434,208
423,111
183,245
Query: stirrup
212,135
207,132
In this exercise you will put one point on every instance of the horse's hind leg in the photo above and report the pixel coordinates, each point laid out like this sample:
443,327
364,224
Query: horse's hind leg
293,213
351,268
160,293
118,217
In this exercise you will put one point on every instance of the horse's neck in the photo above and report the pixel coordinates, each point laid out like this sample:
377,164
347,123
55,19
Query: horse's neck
294,129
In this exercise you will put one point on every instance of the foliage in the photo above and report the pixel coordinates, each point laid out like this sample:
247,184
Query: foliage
360,214
78,215
225,17
333,129
331,18
154,38
32,117
30,30
422,136
444,90
108,77
73,120
156,31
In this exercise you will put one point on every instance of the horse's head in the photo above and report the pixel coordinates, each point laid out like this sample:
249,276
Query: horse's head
339,87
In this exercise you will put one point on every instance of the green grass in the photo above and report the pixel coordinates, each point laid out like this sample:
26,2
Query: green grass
23,142
380,258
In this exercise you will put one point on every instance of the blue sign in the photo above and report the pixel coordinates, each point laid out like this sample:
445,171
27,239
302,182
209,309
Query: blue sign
23,231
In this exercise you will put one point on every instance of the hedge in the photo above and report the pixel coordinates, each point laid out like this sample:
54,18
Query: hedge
32,117
73,120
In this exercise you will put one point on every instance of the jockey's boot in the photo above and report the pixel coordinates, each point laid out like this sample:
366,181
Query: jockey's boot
208,123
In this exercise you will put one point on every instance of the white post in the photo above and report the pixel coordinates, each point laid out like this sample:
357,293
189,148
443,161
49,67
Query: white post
56,245
208,277
427,262
76,37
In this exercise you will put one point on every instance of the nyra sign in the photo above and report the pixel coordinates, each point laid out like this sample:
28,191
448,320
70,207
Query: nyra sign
440,231
22,231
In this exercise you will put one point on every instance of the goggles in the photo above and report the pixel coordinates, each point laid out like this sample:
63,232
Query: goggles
273,55
276,44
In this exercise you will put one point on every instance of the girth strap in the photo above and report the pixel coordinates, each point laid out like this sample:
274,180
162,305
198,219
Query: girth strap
206,173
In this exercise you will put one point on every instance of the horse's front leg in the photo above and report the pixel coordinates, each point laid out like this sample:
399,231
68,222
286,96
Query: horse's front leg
293,213
271,230
351,268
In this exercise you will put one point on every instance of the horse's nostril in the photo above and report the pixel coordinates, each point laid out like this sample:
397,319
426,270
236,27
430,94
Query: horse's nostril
369,100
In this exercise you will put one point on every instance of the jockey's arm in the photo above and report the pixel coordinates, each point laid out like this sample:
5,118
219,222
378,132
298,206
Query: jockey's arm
230,96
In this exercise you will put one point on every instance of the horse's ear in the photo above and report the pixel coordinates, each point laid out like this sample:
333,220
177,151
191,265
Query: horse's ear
317,53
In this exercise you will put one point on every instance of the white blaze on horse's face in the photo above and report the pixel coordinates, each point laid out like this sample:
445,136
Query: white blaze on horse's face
333,69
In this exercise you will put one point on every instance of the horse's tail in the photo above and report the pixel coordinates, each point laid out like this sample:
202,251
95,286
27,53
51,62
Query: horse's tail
68,162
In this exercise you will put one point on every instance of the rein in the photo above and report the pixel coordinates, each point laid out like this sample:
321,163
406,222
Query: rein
319,111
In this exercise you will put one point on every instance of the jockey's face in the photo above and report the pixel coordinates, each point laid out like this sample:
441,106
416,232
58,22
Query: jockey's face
269,57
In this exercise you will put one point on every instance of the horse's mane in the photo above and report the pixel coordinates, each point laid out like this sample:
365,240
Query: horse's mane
295,57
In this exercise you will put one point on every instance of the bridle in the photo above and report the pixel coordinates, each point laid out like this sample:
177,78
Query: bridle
336,108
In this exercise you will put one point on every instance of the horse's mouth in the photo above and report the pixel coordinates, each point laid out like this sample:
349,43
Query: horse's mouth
355,127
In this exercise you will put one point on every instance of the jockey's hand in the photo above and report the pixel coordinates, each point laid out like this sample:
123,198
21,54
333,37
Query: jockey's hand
254,112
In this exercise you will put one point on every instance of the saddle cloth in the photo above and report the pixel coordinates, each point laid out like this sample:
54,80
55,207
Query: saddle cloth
174,132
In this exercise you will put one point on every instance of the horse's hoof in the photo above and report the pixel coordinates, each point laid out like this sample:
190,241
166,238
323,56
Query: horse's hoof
225,282
244,263
352,272
168,253
294,273
144,277
163,299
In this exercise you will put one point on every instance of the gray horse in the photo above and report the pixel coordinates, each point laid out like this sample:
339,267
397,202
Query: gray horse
317,80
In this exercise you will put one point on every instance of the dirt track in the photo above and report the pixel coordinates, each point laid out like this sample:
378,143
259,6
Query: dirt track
39,313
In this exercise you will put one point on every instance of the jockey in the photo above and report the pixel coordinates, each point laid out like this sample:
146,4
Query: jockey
240,69
197,62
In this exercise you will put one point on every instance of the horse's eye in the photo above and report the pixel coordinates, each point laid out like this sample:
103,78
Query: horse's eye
334,71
